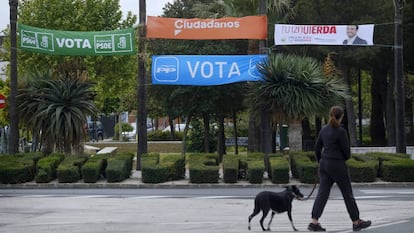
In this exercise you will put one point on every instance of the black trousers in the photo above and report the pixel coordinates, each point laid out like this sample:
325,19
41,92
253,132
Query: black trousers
330,172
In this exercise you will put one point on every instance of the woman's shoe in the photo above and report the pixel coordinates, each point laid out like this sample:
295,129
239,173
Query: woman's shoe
315,227
361,225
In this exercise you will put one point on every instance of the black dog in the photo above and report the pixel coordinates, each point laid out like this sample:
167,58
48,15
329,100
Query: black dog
277,202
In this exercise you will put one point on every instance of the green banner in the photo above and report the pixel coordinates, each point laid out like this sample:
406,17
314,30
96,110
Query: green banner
119,42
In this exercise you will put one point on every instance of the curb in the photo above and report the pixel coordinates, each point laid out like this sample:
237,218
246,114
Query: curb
132,183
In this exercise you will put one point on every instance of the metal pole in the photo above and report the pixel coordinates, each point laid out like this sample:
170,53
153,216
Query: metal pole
142,146
13,142
360,106
399,78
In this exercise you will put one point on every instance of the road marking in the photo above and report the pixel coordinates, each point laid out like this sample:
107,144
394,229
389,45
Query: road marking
380,225
388,191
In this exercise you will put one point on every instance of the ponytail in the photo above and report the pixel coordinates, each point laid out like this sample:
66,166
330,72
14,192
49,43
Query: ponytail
335,116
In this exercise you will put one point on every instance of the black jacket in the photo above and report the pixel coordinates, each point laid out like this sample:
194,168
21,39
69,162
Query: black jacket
332,143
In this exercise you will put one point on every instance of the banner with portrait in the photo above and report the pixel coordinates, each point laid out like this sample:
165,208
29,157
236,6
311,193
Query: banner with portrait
360,35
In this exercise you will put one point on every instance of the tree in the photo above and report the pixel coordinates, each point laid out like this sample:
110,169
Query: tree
112,75
206,103
295,87
57,109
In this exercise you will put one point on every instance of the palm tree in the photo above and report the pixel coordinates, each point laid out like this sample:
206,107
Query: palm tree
294,87
57,109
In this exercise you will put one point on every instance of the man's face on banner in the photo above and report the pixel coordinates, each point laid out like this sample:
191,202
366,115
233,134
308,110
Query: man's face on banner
351,30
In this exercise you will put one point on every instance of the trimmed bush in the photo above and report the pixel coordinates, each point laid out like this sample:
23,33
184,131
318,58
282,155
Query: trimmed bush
304,167
175,164
69,171
279,170
158,169
16,169
119,167
400,170
255,167
230,168
362,171
94,168
46,168
203,168
152,172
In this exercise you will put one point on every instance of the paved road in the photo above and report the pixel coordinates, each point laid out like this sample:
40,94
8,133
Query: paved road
187,210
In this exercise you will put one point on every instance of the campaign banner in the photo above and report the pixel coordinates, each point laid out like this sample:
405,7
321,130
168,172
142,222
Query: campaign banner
119,42
205,70
249,27
360,35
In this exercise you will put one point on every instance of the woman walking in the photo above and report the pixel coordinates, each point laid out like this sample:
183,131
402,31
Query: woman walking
332,150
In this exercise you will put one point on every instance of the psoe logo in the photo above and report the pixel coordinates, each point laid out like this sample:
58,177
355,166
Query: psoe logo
166,69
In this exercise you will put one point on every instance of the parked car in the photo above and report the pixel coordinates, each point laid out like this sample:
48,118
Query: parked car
133,134
177,128
95,130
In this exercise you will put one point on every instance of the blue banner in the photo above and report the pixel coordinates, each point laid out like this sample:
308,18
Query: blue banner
208,70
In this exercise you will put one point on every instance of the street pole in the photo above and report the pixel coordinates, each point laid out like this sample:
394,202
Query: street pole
142,146
399,78
13,143
265,124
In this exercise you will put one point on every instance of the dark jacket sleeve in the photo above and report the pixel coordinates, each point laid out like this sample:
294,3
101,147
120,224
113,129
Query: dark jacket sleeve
318,147
344,145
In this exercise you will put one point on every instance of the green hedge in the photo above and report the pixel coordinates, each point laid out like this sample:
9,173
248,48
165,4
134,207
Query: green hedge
255,167
69,170
304,167
279,170
204,168
362,171
159,169
230,168
94,168
15,169
46,168
119,167
398,170
151,171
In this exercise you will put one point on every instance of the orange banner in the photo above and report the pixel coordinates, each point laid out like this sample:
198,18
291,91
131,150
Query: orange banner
250,27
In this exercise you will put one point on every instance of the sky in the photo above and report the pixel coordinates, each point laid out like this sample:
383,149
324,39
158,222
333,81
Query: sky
154,8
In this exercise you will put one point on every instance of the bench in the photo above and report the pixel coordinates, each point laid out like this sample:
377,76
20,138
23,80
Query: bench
107,150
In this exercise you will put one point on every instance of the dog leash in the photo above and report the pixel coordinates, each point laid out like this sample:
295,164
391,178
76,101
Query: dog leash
310,194
314,186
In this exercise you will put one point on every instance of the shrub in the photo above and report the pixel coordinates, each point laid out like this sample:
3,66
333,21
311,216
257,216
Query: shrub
279,170
46,168
151,171
119,167
255,167
94,168
230,168
401,170
16,169
69,170
203,168
362,171
175,164
304,167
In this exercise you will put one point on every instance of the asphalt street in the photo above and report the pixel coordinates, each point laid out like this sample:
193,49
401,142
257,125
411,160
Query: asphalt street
189,210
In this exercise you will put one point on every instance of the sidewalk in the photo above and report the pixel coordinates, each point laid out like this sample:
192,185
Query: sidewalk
135,182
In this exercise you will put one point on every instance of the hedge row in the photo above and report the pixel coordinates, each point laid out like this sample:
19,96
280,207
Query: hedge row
362,167
23,168
158,168
203,168
252,167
